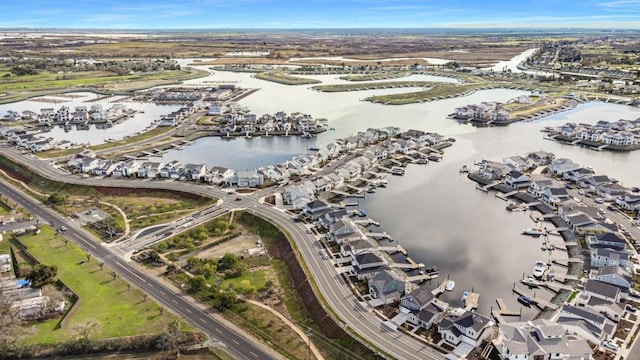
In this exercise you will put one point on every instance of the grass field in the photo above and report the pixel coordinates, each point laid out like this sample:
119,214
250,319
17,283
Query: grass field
120,311
372,77
282,78
372,86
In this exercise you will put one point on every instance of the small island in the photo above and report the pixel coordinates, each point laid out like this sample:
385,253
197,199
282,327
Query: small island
621,135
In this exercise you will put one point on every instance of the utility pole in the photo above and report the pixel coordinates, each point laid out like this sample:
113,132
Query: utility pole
309,342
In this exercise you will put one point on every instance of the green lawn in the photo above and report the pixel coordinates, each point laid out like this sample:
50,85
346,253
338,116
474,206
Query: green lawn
4,209
254,280
120,311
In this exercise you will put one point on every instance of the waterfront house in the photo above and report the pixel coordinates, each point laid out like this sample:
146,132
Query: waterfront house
611,191
517,163
577,175
491,170
352,248
84,165
218,174
127,168
246,179
149,170
367,264
171,170
607,240
434,139
298,195
601,257
562,165
315,209
344,230
195,172
105,168
611,310
537,187
469,330
322,184
556,196
541,158
585,323
615,275
630,201
540,339
517,180
329,218
594,181
386,287
63,115
602,290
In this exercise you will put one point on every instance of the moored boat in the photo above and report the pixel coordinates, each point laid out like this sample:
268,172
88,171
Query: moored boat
530,282
464,169
538,269
532,232
450,285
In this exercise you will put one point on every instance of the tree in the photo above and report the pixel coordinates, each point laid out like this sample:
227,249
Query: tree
42,275
55,198
227,298
197,283
172,338
228,261
114,275
101,265
84,330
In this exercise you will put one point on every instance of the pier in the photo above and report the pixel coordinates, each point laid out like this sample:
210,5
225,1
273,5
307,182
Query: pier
540,303
471,301
366,222
392,249
377,236
504,197
422,277
441,288
504,309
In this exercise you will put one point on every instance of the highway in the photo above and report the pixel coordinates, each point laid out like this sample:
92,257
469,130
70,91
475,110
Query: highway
332,288
237,344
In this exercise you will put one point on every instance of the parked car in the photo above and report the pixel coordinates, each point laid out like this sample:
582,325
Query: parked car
599,200
611,346
62,228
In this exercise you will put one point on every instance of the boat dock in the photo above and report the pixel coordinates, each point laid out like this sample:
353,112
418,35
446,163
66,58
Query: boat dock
505,197
366,222
392,249
471,301
377,236
504,309
538,302
441,288
486,188
422,277
346,194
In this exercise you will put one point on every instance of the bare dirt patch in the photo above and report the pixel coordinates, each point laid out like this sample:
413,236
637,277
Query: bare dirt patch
237,246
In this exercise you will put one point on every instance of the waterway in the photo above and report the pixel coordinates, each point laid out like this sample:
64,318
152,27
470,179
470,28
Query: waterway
438,216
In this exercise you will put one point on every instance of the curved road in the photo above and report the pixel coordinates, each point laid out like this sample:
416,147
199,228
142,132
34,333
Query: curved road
338,296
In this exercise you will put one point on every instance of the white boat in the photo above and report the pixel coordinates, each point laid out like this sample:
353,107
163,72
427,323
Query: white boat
397,170
450,285
464,296
539,268
532,232
464,169
530,282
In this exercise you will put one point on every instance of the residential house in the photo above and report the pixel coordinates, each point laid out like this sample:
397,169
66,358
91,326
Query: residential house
469,328
105,168
149,170
246,179
422,308
344,230
611,310
195,172
615,275
171,170
367,264
585,323
562,165
315,209
517,180
517,163
386,287
611,191
630,201
601,257
541,158
540,339
602,290
556,196
490,170
594,181
329,218
538,187
298,196
434,138
577,175
606,240
127,168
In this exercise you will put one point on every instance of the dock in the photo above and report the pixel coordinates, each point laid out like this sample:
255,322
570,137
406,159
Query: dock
507,195
440,289
382,235
471,302
346,194
489,186
504,309
366,222
392,249
422,277
538,302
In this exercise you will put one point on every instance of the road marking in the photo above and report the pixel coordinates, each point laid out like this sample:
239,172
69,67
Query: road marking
252,353
218,330
174,300
203,320
235,341
90,245
189,311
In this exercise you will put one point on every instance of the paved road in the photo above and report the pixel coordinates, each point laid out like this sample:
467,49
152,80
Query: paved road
238,345
338,296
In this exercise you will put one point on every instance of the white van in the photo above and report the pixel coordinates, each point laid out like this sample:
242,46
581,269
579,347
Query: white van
611,346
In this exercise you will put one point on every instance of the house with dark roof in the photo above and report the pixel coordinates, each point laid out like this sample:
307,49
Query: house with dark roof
470,328
562,165
517,163
594,181
577,175
630,201
422,308
611,191
354,247
539,339
344,230
330,218
541,158
602,290
386,287
610,309
608,257
615,275
585,323
607,240
367,264
316,208
556,196
537,187
517,180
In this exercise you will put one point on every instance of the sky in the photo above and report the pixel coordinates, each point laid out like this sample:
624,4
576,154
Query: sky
307,14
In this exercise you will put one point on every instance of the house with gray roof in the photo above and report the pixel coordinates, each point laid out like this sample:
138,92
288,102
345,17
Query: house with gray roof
422,308
602,290
608,257
315,209
541,158
562,165
577,175
615,275
556,196
468,329
517,180
367,264
585,323
386,287
607,240
539,339
344,230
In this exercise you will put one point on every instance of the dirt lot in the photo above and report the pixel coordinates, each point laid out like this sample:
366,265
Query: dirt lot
238,246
